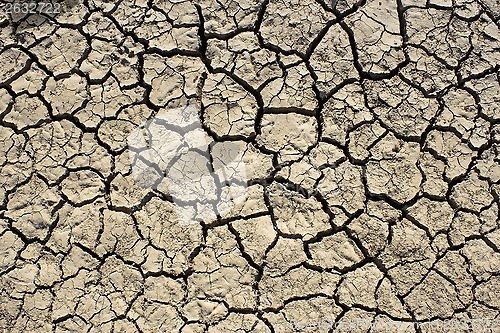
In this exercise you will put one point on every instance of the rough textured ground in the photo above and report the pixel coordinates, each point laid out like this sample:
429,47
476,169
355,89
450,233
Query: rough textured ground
371,139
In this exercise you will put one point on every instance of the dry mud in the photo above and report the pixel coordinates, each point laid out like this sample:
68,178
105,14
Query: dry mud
361,139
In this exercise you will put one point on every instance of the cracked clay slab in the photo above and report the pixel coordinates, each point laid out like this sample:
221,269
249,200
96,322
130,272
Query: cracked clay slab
249,166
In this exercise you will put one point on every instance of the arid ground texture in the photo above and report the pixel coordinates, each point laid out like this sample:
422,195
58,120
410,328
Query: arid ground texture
267,166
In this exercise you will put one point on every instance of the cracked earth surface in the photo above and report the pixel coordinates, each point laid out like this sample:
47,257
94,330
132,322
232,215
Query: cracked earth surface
370,133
